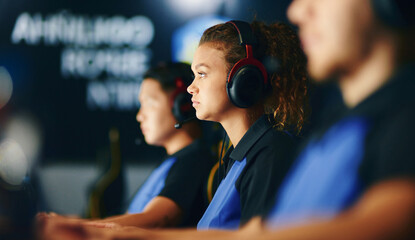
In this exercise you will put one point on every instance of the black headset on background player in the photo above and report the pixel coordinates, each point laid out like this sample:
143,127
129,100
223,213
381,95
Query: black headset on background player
181,100
395,13
247,81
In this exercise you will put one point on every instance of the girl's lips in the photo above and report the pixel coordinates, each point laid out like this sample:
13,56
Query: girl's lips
195,103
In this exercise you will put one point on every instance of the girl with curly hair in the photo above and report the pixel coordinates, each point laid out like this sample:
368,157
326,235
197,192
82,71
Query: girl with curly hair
260,109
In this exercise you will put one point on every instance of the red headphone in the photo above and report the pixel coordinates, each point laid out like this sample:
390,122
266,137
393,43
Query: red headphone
248,79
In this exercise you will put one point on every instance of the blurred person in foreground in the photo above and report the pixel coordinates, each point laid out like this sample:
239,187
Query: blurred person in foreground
355,177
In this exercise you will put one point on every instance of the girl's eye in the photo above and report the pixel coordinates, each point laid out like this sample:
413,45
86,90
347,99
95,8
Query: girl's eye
201,74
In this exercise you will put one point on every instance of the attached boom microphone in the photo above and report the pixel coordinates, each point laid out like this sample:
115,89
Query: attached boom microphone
179,124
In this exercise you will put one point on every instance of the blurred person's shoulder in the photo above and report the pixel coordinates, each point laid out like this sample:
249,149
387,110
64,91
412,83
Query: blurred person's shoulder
389,147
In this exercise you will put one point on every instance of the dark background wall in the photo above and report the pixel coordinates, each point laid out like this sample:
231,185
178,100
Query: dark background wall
73,111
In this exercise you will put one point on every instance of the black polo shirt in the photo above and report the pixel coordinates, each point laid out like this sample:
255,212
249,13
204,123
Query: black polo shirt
182,178
269,154
390,146
390,113
371,143
186,181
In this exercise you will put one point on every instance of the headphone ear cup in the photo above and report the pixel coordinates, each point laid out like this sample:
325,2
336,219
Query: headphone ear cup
182,107
246,87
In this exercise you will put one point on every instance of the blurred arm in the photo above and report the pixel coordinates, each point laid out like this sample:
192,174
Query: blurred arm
159,212
386,211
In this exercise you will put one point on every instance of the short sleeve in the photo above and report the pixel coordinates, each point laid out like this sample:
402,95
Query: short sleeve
185,184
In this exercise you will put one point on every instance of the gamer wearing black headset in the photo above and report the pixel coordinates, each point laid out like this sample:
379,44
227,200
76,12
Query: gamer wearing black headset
174,193
232,86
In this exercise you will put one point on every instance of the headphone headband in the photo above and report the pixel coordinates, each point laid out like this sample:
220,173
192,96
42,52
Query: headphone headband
246,36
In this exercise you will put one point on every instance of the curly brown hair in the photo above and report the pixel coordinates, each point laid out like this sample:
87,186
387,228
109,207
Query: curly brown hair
288,101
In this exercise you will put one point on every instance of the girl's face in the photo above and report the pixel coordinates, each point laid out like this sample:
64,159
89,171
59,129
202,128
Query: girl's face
209,85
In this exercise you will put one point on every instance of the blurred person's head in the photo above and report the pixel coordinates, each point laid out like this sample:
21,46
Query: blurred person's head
339,36
218,55
164,102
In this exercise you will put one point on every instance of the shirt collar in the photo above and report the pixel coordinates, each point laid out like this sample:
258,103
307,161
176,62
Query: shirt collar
194,146
253,134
